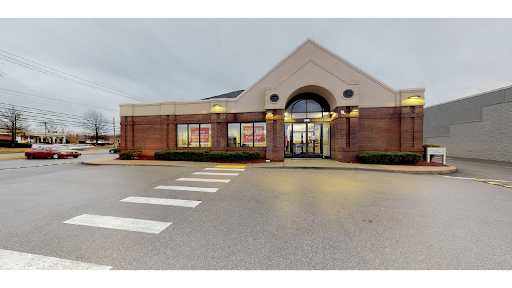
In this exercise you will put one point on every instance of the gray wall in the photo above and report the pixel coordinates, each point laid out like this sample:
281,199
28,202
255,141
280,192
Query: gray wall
479,126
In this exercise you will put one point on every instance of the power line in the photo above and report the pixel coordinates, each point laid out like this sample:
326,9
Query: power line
41,70
32,95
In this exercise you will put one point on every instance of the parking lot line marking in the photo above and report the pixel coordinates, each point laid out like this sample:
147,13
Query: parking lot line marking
187,188
129,224
203,180
225,169
216,174
12,260
229,166
162,201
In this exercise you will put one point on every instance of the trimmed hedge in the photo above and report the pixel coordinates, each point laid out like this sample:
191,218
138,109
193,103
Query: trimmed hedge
128,155
15,145
205,155
430,145
377,157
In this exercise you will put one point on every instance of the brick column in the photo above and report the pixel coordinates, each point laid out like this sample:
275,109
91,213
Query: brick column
219,131
347,135
126,133
171,132
275,135
411,129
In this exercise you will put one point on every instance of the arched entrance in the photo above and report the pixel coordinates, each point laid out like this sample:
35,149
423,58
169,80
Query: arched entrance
307,125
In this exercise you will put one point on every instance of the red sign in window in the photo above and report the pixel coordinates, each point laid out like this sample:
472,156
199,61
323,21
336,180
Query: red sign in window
259,134
196,135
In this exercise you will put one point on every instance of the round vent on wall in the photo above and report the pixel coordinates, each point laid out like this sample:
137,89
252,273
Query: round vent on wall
348,93
274,98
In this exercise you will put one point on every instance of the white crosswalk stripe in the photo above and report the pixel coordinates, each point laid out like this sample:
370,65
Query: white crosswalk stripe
204,180
162,201
129,224
216,174
12,260
187,188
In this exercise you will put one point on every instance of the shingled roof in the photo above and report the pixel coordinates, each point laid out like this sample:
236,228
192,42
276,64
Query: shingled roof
233,94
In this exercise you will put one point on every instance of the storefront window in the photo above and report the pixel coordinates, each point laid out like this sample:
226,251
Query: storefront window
182,136
193,135
260,131
247,134
234,135
205,137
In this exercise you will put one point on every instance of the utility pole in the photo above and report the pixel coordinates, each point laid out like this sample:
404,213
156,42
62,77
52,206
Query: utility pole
114,125
13,138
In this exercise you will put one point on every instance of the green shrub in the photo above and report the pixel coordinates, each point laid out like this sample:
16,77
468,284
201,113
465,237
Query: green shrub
430,145
394,157
205,155
235,156
15,145
128,155
183,155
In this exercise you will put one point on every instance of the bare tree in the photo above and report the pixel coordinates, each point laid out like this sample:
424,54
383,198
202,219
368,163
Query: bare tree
13,121
48,126
96,123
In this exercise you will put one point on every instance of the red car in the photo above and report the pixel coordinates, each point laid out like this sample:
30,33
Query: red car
53,152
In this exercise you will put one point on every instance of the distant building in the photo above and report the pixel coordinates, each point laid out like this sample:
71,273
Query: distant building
6,135
42,137
477,126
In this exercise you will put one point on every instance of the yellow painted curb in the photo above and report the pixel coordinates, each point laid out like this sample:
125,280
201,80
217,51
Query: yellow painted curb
480,180
495,183
507,186
227,166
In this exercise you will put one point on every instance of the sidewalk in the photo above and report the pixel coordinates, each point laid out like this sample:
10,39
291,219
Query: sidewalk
287,164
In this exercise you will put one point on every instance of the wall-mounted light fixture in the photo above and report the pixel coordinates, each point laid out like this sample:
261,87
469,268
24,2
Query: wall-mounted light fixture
415,100
342,112
217,108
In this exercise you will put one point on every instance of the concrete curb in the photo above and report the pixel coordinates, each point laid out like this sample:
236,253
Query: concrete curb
406,169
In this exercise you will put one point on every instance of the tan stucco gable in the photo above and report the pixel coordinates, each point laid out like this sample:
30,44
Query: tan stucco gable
309,68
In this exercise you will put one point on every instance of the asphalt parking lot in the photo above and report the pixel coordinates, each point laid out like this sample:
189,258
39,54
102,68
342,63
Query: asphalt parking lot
261,219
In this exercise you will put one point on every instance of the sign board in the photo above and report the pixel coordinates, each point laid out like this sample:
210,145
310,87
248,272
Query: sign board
436,151
259,134
196,135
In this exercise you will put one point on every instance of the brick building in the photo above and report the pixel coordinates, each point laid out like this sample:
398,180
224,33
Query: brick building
312,104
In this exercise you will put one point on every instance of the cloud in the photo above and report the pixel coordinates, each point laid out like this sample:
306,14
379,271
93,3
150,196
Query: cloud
190,59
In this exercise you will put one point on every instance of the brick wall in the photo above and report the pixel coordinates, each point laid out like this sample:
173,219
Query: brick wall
158,133
374,129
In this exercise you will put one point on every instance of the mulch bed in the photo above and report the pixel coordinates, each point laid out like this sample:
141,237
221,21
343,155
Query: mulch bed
421,163
213,161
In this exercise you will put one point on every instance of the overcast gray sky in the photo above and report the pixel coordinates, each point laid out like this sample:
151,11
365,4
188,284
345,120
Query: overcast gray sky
189,59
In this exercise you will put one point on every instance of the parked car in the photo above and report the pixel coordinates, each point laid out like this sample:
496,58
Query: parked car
53,152
113,150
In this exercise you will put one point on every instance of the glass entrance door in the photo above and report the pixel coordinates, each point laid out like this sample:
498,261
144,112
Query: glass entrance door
306,140
314,148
